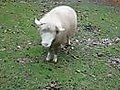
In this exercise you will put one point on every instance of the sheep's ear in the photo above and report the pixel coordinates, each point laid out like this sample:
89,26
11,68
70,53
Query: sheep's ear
37,22
60,28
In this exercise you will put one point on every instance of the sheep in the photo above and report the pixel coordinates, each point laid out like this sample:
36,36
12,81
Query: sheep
56,29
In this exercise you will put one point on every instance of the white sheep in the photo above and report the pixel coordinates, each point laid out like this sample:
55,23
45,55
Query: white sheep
56,29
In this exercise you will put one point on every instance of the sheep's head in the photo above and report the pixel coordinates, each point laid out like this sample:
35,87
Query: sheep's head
48,32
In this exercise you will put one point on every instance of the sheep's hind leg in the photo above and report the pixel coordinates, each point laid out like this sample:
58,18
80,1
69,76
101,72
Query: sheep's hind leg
68,41
67,44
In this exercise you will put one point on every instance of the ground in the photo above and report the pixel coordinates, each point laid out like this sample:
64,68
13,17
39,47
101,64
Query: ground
92,62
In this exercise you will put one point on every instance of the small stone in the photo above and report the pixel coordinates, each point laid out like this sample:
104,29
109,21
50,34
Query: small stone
110,43
19,47
78,71
79,0
116,40
1,27
93,76
29,43
89,39
53,85
95,43
5,31
14,32
22,2
2,49
116,27
76,40
72,47
99,54
109,75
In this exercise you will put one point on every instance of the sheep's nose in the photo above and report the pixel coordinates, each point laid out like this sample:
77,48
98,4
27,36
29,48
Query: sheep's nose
45,44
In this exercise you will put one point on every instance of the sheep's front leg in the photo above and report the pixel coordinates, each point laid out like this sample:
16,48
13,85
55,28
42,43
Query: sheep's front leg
55,54
49,56
55,58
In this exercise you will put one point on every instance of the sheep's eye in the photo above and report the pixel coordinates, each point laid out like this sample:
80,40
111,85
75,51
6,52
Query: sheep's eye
57,31
44,30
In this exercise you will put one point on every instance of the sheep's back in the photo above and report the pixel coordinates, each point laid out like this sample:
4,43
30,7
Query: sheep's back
68,18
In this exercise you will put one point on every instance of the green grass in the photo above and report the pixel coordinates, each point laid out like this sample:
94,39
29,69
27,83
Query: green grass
81,69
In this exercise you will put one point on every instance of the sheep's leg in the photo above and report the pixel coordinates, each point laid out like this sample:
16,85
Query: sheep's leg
67,44
68,41
64,47
49,55
55,54
48,58
55,58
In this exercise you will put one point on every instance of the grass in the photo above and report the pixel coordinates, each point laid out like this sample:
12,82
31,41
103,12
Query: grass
86,67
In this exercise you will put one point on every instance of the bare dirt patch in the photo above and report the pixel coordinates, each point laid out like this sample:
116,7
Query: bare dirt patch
108,2
24,60
114,61
103,42
54,85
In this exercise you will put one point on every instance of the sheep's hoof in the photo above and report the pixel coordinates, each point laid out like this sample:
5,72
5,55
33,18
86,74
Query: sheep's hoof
69,42
55,59
48,58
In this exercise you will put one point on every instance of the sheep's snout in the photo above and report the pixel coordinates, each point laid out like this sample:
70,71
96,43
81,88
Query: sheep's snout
47,38
45,44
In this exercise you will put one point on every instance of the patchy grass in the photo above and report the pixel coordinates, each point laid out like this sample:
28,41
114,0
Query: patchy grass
92,63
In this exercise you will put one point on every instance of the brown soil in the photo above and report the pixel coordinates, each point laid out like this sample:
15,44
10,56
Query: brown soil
109,2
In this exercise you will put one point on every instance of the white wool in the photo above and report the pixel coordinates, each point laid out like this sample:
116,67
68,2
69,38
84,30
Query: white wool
63,18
